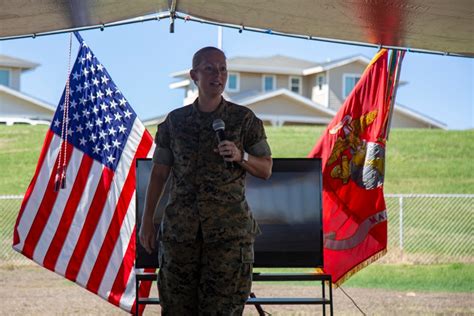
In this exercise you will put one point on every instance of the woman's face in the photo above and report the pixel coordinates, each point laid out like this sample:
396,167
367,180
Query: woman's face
210,75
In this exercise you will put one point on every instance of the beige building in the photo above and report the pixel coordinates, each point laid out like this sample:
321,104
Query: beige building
16,106
285,90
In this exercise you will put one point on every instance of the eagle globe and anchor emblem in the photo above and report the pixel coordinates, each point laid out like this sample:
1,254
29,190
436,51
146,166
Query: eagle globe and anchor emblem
361,161
355,158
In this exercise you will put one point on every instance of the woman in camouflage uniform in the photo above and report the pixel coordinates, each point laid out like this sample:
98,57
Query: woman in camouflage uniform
207,230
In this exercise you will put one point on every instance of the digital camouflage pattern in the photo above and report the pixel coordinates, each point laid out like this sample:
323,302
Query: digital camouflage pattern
199,278
207,230
203,192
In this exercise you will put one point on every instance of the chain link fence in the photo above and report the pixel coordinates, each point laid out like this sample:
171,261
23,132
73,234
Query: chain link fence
430,228
9,207
422,228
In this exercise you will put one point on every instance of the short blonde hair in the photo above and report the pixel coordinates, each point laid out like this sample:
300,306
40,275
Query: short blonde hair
197,57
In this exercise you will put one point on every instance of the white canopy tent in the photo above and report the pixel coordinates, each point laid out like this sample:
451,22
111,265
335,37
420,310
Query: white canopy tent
438,26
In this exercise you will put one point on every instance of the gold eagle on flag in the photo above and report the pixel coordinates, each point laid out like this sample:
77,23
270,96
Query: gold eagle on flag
350,151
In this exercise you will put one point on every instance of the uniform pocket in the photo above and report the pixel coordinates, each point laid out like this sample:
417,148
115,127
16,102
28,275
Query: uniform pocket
243,282
247,254
247,259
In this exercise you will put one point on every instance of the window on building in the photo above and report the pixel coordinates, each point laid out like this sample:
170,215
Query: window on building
295,84
5,77
349,83
269,83
233,82
320,81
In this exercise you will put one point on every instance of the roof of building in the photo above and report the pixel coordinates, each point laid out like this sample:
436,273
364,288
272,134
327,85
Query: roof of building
330,64
13,62
252,97
277,61
256,97
155,120
27,98
419,116
280,64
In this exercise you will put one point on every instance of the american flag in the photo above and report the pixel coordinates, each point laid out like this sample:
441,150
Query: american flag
86,230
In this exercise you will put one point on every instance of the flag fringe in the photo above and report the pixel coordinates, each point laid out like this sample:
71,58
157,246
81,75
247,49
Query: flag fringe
375,58
359,267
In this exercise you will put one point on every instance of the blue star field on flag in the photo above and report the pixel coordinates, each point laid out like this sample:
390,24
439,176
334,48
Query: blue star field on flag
99,117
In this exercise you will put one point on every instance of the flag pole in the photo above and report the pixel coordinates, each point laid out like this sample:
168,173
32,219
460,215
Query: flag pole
393,85
389,90
79,37
219,38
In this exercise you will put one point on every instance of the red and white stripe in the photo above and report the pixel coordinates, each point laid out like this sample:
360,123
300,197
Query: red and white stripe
85,232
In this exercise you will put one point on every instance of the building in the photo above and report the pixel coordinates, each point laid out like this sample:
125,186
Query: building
16,106
285,90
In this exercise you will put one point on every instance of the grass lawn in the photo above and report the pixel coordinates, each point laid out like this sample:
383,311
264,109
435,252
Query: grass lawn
454,277
430,161
418,161
20,147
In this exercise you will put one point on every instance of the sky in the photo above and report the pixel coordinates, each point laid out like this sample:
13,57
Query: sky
140,58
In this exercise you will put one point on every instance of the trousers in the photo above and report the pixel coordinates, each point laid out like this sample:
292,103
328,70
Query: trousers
199,278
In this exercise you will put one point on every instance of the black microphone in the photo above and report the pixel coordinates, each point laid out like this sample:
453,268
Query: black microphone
219,127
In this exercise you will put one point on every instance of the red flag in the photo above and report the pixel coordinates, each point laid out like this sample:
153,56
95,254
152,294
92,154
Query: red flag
86,230
352,149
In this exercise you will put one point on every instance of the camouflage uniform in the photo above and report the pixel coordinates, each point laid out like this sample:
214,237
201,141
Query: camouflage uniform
207,230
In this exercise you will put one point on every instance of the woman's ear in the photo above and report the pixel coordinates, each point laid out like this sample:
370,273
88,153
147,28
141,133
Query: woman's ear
192,73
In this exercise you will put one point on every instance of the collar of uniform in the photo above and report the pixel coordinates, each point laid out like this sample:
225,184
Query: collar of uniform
216,113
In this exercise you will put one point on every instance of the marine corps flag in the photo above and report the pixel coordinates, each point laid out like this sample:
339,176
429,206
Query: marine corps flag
352,149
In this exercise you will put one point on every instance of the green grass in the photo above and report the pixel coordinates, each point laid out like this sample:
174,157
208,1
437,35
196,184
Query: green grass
430,161
418,160
455,277
20,146
292,141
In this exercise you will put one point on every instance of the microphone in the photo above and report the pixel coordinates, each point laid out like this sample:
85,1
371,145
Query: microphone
219,127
